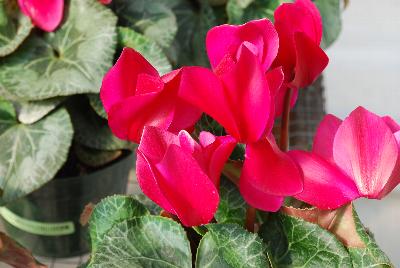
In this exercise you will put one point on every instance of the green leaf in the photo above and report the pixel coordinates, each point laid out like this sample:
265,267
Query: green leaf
110,211
14,27
194,21
229,245
31,111
371,255
8,117
148,48
32,154
148,203
232,207
69,61
93,131
147,241
331,19
95,158
242,11
293,242
97,105
154,19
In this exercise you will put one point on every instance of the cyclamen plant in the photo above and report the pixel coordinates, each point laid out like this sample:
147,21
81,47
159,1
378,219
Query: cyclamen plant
208,196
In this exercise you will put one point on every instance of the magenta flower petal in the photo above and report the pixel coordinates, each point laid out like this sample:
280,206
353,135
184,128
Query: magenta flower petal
391,123
324,136
246,89
311,60
270,170
280,99
45,14
148,183
260,34
202,88
366,150
120,81
275,79
259,199
189,190
325,185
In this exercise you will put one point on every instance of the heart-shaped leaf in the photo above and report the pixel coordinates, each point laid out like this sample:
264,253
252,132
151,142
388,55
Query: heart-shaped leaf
14,27
232,207
154,19
147,47
147,241
229,245
69,61
110,211
32,154
293,242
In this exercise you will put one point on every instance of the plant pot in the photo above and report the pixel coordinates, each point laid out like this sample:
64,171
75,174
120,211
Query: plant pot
47,220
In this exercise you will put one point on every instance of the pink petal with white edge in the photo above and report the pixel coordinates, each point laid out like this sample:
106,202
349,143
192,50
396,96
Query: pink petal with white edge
270,170
325,185
366,150
188,189
121,80
311,60
225,39
148,183
247,91
324,136
259,199
45,14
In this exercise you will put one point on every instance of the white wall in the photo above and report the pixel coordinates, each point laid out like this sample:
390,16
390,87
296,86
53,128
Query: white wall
364,70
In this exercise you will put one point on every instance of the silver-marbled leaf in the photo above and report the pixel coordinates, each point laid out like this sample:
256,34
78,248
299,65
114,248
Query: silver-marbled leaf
69,61
32,154
142,242
14,27
230,246
31,111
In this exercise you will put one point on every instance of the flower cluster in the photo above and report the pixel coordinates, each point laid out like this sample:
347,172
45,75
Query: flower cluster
253,66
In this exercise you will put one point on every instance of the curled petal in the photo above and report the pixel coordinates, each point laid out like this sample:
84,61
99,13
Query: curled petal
275,79
311,60
324,136
45,14
121,80
188,189
270,170
366,150
246,88
259,199
261,34
391,123
325,185
202,88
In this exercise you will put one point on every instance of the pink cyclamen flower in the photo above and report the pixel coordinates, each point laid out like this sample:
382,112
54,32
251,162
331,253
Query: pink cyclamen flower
45,14
134,95
105,2
299,26
180,175
237,95
258,36
356,157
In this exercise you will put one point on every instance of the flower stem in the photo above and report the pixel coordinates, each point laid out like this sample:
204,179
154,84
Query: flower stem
250,218
284,137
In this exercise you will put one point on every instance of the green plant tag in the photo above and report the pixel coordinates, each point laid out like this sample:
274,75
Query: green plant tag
35,227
